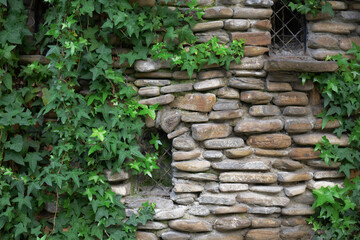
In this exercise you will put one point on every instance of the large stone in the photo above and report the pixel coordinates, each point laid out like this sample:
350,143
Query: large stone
209,84
265,222
137,202
204,37
313,138
194,117
282,77
350,16
152,226
298,125
252,51
293,177
182,75
148,65
295,190
145,236
178,132
264,110
259,3
238,152
233,187
299,232
276,141
187,187
224,143
295,111
156,75
263,234
161,100
266,189
299,86
253,38
263,200
198,210
249,63
306,197
184,143
184,198
255,97
201,132
149,91
275,65
287,165
121,189
170,120
206,26
304,154
243,177
196,176
338,5
239,165
299,210
293,221
228,93
322,164
333,27
291,98
218,12
278,86
231,223
169,214
217,199
246,83
323,41
322,54
236,24
264,210
226,104
116,176
192,165
227,114
191,225
177,88
252,13
258,126
329,125
212,74
195,102
249,73
262,25
172,235
228,210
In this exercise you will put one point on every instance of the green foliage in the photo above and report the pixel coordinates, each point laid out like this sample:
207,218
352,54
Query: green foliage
310,6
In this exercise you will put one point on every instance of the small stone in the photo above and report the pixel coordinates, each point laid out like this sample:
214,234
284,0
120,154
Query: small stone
338,5
218,12
170,120
226,104
322,164
249,73
195,102
282,77
295,111
350,16
304,154
305,198
231,223
228,93
271,153
252,51
187,187
149,91
320,184
161,100
198,210
264,210
182,75
298,126
224,143
166,214
346,43
228,210
212,74
184,143
137,202
294,190
184,198
196,176
313,138
172,235
212,155
237,165
194,117
243,177
191,225
265,222
205,37
329,124
253,38
295,211
148,65
149,122
121,189
294,221
192,165
177,132
152,226
259,3
264,110
206,26
238,152
278,86
293,177
263,234
323,41
258,126
155,75
287,165
328,174
227,114
266,189
299,232
291,98
333,27
204,131
246,83
212,187
177,88
318,16
180,155
252,13
262,25
263,200
209,84
152,82
116,176
276,141
233,187
220,235
217,199
255,97
145,236
249,63
275,65
236,24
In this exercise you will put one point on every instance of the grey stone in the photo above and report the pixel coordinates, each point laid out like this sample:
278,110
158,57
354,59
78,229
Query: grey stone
204,37
136,202
177,88
152,226
351,16
212,187
149,91
252,13
228,93
259,3
258,126
313,138
168,214
282,77
182,75
152,82
172,235
194,117
183,198
287,165
242,177
121,189
187,187
198,210
191,225
236,24
295,111
196,176
266,189
260,199
228,210
217,199
212,155
255,97
170,120
263,234
206,26
233,142
192,165
294,177
177,132
209,84
227,114
248,63
225,104
161,100
249,73
247,83
116,176
264,210
298,210
294,190
278,86
328,174
264,110
201,132
148,65
213,74
304,198
231,223
319,184
322,164
184,143
239,165
233,187
145,236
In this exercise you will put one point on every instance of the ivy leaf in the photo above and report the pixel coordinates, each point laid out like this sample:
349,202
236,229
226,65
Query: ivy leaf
8,81
13,156
33,159
88,7
4,2
16,143
20,228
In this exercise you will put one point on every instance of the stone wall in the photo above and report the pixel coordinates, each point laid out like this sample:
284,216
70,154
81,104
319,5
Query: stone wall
243,158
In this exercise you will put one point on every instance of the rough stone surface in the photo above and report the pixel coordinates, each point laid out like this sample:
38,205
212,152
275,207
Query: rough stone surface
328,174
237,165
295,190
227,114
218,12
191,225
220,235
264,110
255,97
187,187
259,3
248,63
172,235
258,126
116,176
260,199
194,117
121,189
304,154
166,214
293,177
170,120
236,24
275,65
253,38
212,74
346,43
213,155
177,132
200,27
332,27
265,223
177,88
291,98
228,210
147,66
209,84
278,86
263,234
217,199
231,223
149,91
195,102
145,236
224,143
246,83
152,226
240,177
295,111
313,138
264,210
192,165
266,189
276,141
161,100
226,104
287,165
298,126
184,143
233,187
196,176
252,13
238,152
300,210
228,93
271,153
201,132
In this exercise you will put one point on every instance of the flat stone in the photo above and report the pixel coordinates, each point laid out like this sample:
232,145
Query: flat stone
212,155
263,234
322,164
209,84
338,5
313,138
258,126
299,232
246,83
323,41
184,198
298,126
116,176
264,111
192,165
137,202
329,124
145,236
294,190
320,184
252,51
265,222
161,100
293,177
184,87
248,63
304,198
255,97
194,117
237,24
295,111
148,65
220,235
143,3
231,223
227,114
238,152
226,104
177,132
275,65
293,221
204,131
228,210
233,142
217,199
328,174
198,210
152,226
204,37
191,225
266,189
259,3
278,86
149,91
184,143
233,187
350,16
287,165
249,73
212,187
172,235
304,154
195,102
318,16
169,214
239,165
196,176
276,141
291,98
155,75
282,77
346,43
243,177
170,120
253,38
260,199
218,12
212,74
181,155
264,210
228,93
151,82
187,188
271,153
252,13
206,26
182,75
121,189
322,54
333,27
295,211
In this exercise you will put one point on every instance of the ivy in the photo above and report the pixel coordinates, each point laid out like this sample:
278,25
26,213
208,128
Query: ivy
311,6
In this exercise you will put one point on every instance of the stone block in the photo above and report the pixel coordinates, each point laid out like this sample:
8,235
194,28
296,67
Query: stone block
196,176
299,86
156,75
276,141
295,111
287,165
170,120
262,25
240,165
347,43
338,5
169,214
304,154
152,82
206,26
198,210
258,126
218,12
252,13
248,63
227,114
217,199
192,165
282,77
259,3
263,200
224,143
178,132
264,210
298,211
323,41
182,155
195,102
137,202
212,74
291,98
204,131
183,75
295,190
265,223
253,51
299,232
246,83
243,177
328,174
264,111
149,91
275,65
220,235
313,138
161,100
116,176
293,221
278,86
152,226
263,234
121,189
322,164
187,187
212,155
226,104
145,236
333,27
255,97
184,87
184,143
173,235
298,125
294,177
253,38
191,225
249,73
194,117
150,65
329,124
231,223
266,189
228,210
271,153
237,24
233,187
228,93
209,84
238,152
350,16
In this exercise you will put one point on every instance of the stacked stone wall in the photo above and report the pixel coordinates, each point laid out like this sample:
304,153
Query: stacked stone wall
243,139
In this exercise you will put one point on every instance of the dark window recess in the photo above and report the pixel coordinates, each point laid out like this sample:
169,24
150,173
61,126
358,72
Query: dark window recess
288,33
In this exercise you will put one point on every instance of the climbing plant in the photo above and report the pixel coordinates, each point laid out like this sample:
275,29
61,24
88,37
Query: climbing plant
67,117
311,6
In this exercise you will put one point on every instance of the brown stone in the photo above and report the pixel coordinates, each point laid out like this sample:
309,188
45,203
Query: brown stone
347,43
152,82
172,235
249,63
161,100
322,54
295,211
255,97
243,177
333,27
217,199
192,165
195,102
233,187
226,104
252,13
228,93
182,75
262,25
318,16
329,124
338,5
231,223
206,26
228,210
287,165
304,154
177,132
184,143
301,232
282,77
313,138
155,75
149,91
256,165
265,222
228,114
143,3
299,86
145,236
271,153
170,120
209,84
298,126
299,66
264,110
253,38
263,234
278,86
323,41
249,73
191,225
276,141
253,51
291,98
196,176
246,83
258,126
322,164
238,152
177,88
212,74
295,111
220,235
236,24
201,132
181,155
293,177
294,221
194,117
218,12
263,200
223,143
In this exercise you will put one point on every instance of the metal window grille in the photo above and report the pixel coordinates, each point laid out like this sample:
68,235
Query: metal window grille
288,33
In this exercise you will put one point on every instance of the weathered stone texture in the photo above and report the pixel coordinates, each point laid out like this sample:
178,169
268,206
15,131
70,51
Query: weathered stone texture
201,132
231,223
264,111
192,165
276,141
291,98
258,126
243,177
191,225
260,199
255,97
263,234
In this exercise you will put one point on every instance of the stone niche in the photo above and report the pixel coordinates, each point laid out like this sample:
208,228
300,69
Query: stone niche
243,160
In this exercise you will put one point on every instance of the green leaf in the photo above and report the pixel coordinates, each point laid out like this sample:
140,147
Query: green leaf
8,81
19,229
16,143
4,2
13,156
33,159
